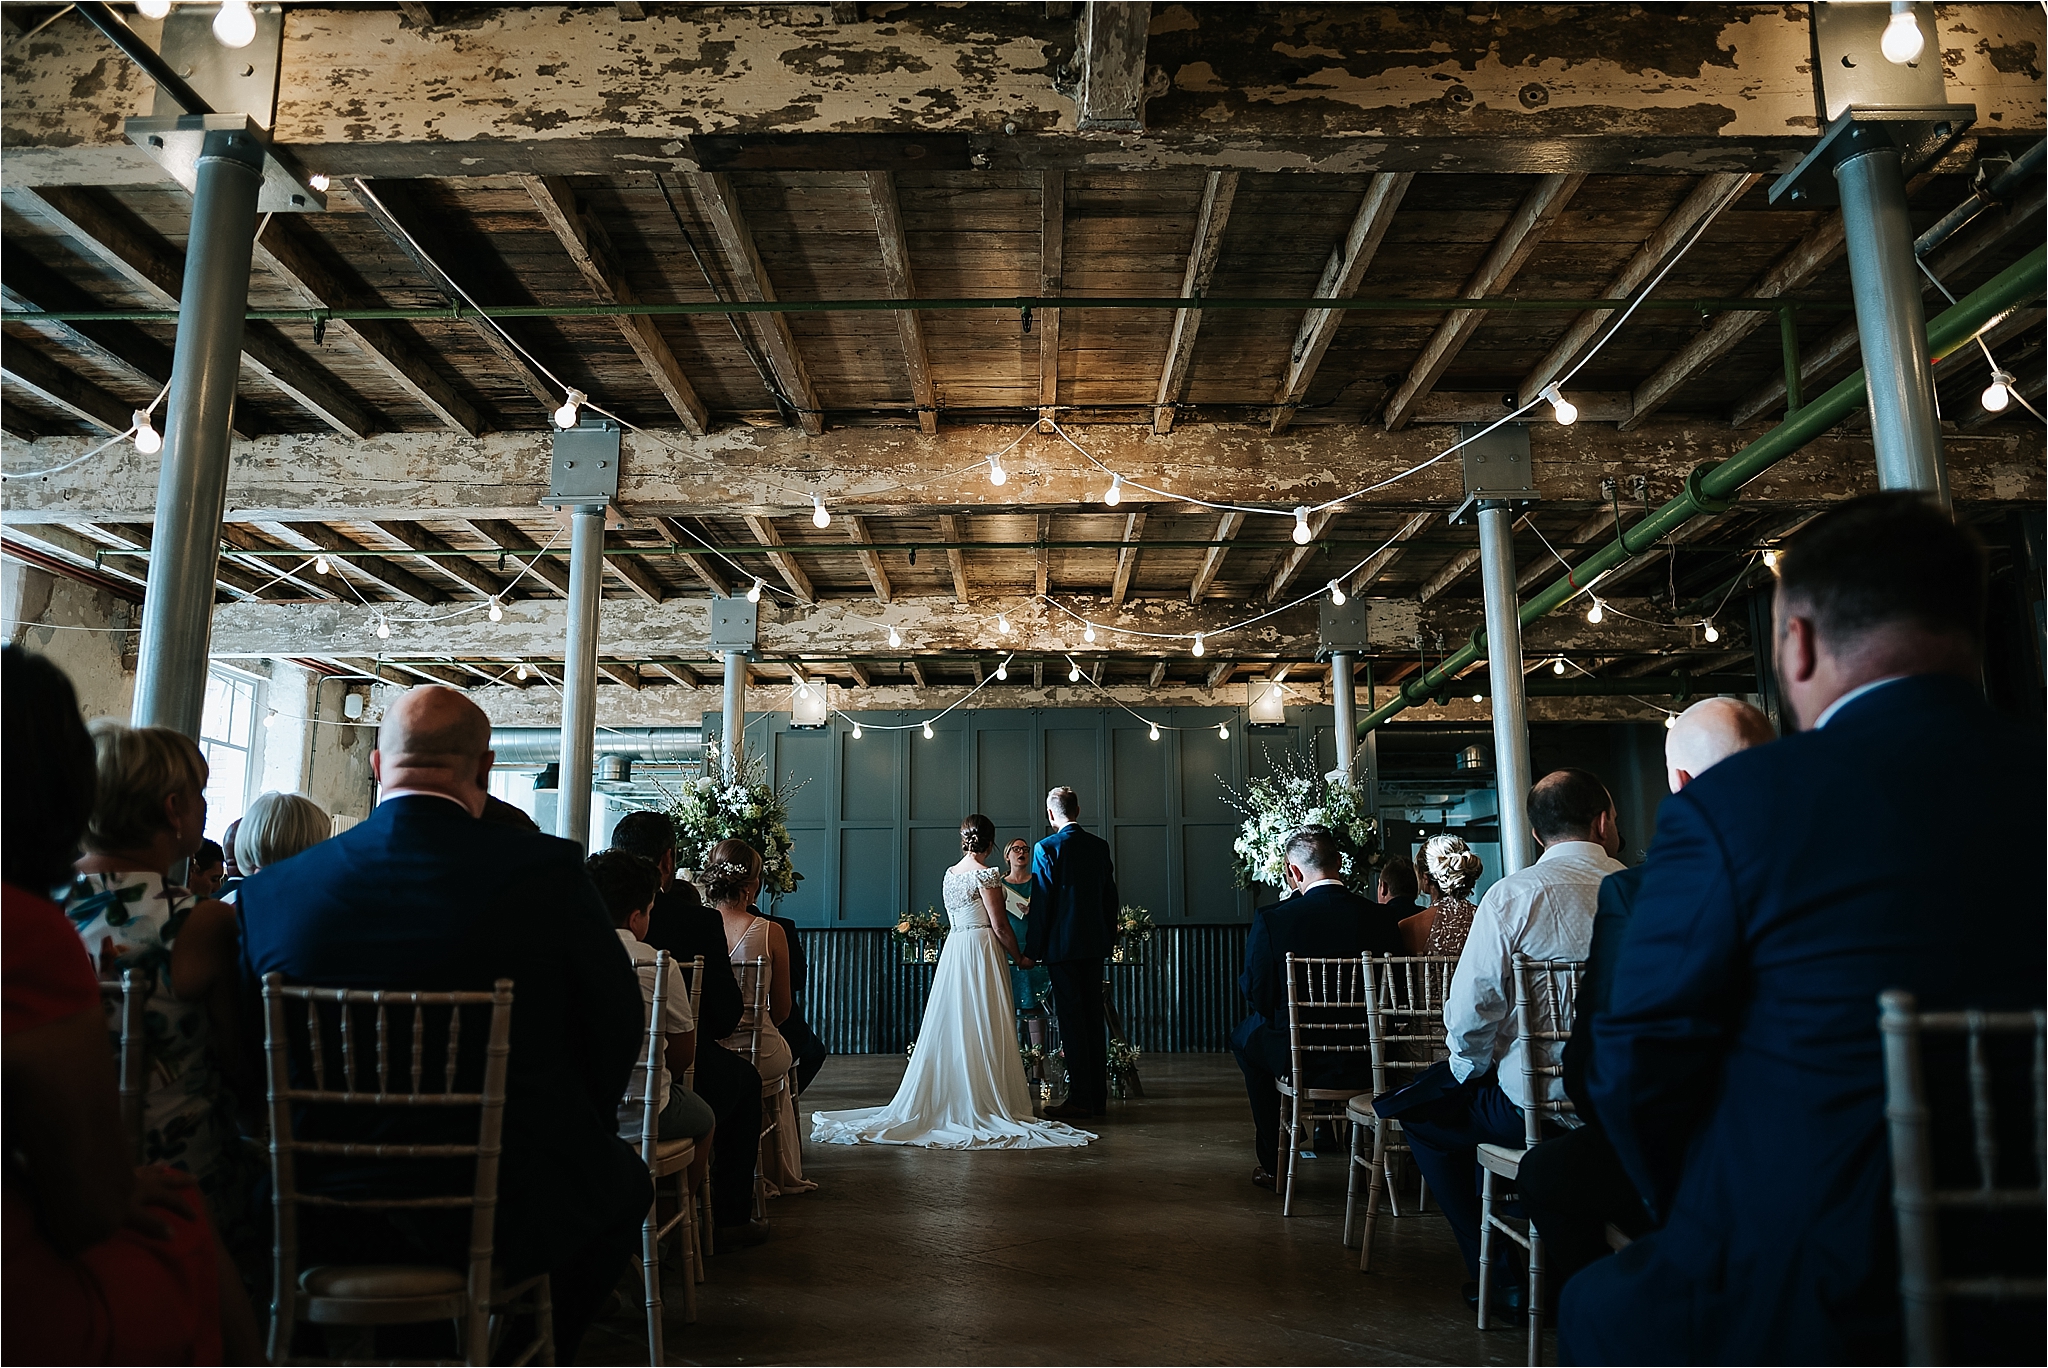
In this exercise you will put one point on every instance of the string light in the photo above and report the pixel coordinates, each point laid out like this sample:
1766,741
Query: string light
1336,593
1198,643
1155,731
754,592
269,720
1002,625
1595,613
1073,673
1478,698
567,414
1563,409
497,611
1903,41
320,565
819,517
235,25
996,474
153,9
1003,668
149,441
521,672
856,731
383,630
1771,559
1116,491
1089,635
1558,668
1301,532
1996,395
1222,731
895,637
1670,721
1710,631
319,181
927,731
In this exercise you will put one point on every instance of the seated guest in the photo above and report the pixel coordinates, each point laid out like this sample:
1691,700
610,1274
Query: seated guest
732,880
810,1051
1451,869
278,826
147,818
424,896
501,813
1476,1097
682,925
1573,1186
1738,1067
105,1262
627,884
231,873
1396,889
205,872
1325,920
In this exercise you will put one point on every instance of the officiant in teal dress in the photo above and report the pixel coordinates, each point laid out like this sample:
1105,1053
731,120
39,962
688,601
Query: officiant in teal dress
1030,987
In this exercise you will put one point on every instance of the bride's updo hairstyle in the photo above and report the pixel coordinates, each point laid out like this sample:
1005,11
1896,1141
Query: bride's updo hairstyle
728,869
1452,864
977,834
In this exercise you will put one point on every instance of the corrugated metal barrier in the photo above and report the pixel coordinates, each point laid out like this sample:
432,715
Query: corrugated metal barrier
862,998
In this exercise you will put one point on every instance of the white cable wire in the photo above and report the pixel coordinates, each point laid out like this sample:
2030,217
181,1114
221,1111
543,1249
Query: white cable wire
115,440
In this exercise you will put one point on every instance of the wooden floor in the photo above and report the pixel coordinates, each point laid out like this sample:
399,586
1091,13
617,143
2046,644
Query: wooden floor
1149,1246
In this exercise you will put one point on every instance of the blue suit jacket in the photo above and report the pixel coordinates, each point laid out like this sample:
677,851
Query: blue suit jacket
423,896
1738,1068
1073,898
1596,989
1324,923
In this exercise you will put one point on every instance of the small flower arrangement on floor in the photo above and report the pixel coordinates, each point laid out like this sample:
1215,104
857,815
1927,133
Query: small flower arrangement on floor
1123,1066
1133,933
919,936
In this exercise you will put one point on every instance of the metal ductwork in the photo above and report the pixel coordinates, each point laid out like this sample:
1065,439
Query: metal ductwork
651,745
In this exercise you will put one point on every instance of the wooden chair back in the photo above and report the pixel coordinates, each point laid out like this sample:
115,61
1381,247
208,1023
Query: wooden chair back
1405,1015
349,1053
125,998
1328,1001
1916,1202
1546,1002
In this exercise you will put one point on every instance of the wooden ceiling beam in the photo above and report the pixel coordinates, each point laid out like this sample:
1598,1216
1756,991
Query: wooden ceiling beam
1376,565
705,568
870,562
787,566
1702,206
630,571
65,551
1127,558
1113,89
1042,554
1219,675
1212,559
459,568
1158,675
621,672
721,203
1052,246
917,674
1341,274
1298,556
953,529
1219,192
233,579
902,284
145,260
860,673
577,227
249,539
1455,569
433,674
679,672
1533,219
284,248
380,570
506,536
63,388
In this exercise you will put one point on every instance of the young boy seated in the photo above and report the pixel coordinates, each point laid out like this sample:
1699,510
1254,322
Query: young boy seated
628,883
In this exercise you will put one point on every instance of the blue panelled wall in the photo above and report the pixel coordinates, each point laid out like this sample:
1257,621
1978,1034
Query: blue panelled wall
877,819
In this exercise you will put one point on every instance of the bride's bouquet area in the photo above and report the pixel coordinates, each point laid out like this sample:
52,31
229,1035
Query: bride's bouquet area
1288,798
747,807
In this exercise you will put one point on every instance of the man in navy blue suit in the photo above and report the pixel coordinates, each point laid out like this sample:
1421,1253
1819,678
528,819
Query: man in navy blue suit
424,896
1738,1070
1070,931
1325,920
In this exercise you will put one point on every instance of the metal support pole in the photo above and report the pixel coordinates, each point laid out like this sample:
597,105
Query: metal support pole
192,483
1788,345
1343,694
735,713
1504,669
1890,325
579,673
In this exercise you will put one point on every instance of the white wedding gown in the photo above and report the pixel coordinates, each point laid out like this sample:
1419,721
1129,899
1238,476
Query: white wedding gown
965,1087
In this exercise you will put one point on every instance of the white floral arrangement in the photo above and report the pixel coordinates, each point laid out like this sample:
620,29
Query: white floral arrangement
747,807
1289,798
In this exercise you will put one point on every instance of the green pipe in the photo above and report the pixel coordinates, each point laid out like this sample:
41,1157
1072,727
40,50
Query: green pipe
1710,491
455,313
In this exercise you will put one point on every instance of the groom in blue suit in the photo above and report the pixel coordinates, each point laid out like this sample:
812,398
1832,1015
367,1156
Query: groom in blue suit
1070,931
1738,1067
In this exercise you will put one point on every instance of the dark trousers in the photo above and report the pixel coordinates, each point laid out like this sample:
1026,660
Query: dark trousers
732,1087
1445,1136
810,1051
1260,1088
1572,1187
1077,997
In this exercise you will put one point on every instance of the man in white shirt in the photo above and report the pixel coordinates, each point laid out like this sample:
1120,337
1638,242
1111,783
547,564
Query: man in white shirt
1544,911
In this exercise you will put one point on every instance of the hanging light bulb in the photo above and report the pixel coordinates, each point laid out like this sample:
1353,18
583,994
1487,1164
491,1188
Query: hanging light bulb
383,630
149,441
1002,625
996,474
153,9
1336,593
1558,668
819,517
1155,731
895,637
1563,409
1710,631
1595,613
1002,669
1198,643
319,181
521,672
856,731
1996,396
566,415
754,590
927,731
320,566
1771,559
1089,635
1670,721
1073,673
235,25
1222,731
1903,41
1116,491
1478,698
497,611
1301,532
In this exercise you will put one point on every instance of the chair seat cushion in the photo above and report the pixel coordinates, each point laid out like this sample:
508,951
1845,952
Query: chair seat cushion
1359,1109
1337,1093
670,1155
1505,1160
382,1281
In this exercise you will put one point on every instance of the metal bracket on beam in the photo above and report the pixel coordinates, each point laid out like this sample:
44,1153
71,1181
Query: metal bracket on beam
1341,628
1496,466
584,470
1920,133
735,625
177,143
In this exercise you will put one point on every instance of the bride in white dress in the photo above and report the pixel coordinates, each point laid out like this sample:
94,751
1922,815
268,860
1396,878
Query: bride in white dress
965,1087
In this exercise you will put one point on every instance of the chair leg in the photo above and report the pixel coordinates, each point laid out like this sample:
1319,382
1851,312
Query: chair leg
1290,1127
705,1224
1391,1153
1376,1187
1485,1247
1351,1168
1535,1296
687,1211
544,1320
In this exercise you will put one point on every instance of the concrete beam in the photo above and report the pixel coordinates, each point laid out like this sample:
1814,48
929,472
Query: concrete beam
1112,90
1360,88
765,472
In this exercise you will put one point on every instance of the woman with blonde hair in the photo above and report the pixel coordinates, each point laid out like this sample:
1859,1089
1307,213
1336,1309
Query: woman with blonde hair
1454,869
278,826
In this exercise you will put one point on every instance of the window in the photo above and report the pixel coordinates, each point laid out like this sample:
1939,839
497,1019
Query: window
229,734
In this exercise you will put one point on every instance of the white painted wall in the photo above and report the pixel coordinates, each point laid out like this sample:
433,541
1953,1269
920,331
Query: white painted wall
82,630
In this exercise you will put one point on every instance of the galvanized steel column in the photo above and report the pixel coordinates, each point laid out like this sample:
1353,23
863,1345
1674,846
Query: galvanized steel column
192,483
579,673
1890,325
735,713
1344,696
1504,670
